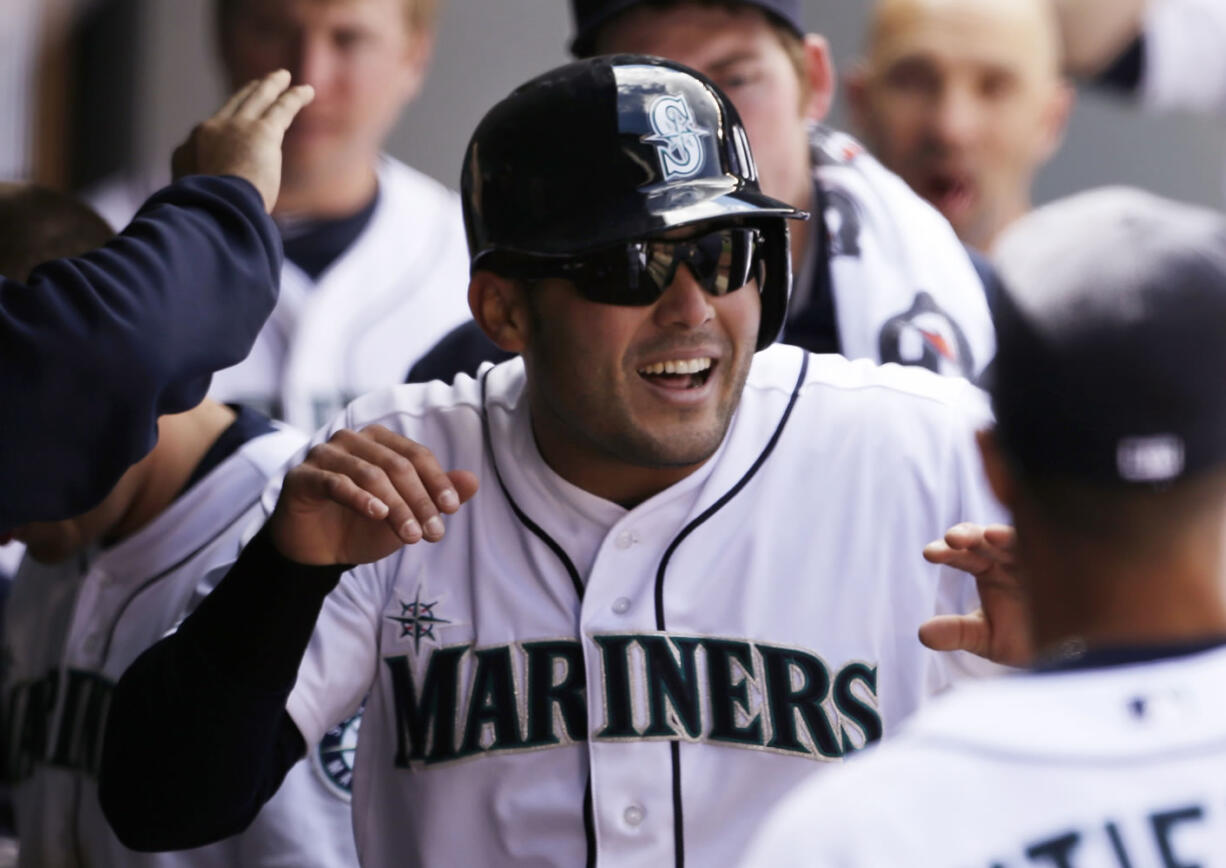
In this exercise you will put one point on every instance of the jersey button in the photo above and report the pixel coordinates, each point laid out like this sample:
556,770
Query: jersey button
621,605
625,539
634,815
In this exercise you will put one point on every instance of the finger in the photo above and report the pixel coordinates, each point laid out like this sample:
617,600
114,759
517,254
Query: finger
1002,537
347,454
315,482
964,536
237,99
283,110
265,93
956,633
465,483
972,561
438,486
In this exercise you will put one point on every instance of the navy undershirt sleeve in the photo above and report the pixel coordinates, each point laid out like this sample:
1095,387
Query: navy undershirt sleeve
197,737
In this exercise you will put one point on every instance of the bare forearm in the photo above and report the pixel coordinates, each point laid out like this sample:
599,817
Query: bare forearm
1096,32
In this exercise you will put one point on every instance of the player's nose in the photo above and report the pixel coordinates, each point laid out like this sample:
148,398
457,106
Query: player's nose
684,303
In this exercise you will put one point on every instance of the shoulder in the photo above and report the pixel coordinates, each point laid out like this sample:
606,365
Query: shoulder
447,418
863,387
401,184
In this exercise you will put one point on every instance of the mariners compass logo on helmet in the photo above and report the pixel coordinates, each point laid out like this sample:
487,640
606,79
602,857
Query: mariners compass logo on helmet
677,138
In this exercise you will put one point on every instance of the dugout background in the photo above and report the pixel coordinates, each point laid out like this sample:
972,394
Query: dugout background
486,46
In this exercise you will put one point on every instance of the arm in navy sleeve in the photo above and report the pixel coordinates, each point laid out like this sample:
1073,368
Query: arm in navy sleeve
93,349
197,736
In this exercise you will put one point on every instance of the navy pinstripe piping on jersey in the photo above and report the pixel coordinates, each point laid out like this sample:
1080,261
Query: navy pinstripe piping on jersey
678,813
589,818
519,513
675,748
144,586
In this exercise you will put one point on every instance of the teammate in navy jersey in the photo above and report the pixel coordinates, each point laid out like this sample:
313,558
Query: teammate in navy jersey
94,348
1109,449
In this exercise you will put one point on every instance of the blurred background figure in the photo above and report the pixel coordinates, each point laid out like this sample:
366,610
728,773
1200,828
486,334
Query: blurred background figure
376,262
964,99
1109,450
1167,52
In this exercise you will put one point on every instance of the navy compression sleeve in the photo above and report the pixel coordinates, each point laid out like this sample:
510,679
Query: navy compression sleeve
197,737
94,348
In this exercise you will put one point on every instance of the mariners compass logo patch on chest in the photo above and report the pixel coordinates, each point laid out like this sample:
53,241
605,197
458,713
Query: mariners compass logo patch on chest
419,619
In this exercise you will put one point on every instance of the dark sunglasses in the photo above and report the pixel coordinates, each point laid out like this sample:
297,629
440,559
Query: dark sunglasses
638,272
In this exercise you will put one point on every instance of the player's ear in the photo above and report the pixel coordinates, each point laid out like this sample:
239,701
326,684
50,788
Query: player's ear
498,305
819,75
996,467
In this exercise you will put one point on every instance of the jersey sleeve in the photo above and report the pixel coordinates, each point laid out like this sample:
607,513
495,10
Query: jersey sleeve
93,349
341,661
1184,65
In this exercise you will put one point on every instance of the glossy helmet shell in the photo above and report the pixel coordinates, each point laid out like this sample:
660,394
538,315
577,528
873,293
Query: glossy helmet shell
616,148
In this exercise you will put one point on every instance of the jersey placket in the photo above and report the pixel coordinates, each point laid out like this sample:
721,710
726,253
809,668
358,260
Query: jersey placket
631,775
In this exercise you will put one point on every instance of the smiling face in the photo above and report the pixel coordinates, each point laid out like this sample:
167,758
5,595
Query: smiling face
363,57
963,99
627,400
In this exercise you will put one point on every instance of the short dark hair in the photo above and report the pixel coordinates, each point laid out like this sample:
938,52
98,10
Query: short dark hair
38,224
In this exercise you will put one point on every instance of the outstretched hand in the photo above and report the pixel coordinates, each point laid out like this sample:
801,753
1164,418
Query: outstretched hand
362,495
244,137
999,630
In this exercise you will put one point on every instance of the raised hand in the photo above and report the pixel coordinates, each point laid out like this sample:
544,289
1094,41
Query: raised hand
1000,629
362,495
244,137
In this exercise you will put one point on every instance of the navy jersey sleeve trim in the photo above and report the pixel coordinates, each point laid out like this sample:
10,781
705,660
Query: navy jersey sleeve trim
197,737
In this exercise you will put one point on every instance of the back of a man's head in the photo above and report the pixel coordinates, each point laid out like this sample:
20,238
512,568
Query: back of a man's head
38,224
1107,384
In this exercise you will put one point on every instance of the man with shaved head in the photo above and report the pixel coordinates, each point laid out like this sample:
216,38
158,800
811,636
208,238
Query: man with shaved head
964,99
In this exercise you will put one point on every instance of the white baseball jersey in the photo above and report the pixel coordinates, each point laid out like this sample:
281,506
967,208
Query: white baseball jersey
561,679
1123,767
1185,67
72,629
904,287
381,305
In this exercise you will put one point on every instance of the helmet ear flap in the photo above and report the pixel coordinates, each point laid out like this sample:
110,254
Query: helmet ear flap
775,288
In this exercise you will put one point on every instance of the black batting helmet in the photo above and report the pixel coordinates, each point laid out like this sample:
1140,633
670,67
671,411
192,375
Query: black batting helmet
612,149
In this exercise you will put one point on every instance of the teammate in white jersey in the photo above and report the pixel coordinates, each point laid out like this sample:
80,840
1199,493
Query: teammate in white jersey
691,577
375,261
97,589
1109,449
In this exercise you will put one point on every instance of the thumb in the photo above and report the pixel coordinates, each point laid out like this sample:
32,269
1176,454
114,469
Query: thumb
956,633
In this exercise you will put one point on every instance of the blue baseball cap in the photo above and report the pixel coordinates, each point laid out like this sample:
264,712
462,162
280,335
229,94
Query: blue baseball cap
591,15
1111,340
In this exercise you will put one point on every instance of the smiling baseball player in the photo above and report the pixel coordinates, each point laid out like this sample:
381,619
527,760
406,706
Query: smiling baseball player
1113,754
691,576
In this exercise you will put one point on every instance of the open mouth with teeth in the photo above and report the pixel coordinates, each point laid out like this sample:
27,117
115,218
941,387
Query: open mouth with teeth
678,373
